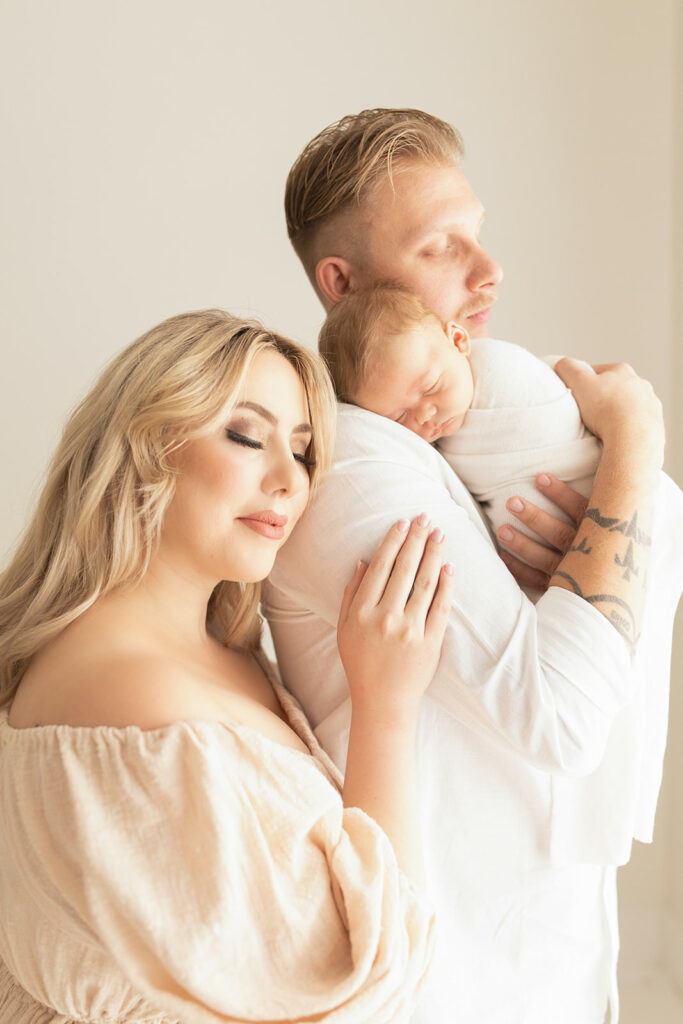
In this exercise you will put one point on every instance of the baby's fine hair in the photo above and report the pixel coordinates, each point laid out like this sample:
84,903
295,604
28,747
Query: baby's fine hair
355,329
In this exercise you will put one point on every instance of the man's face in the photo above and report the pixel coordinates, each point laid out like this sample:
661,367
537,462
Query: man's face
423,233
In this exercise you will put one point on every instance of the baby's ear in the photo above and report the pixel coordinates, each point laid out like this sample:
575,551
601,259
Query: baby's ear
459,336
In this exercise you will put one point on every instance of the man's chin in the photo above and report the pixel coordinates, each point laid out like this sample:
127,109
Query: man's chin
476,329
477,324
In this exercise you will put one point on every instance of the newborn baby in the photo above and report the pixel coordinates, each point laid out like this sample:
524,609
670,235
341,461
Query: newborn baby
499,416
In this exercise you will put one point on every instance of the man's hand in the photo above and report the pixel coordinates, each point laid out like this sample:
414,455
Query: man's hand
541,558
618,406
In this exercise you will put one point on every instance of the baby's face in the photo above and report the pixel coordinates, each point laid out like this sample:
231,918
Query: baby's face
422,379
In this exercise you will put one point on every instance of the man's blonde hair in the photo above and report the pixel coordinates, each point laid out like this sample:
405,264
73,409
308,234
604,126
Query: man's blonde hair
345,159
112,477
352,336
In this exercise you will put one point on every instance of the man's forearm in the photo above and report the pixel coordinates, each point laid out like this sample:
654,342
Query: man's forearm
607,563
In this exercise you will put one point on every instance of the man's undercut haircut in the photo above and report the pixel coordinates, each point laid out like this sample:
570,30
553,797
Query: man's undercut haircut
345,159
353,335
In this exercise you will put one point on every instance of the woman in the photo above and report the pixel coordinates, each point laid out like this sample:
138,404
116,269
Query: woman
175,845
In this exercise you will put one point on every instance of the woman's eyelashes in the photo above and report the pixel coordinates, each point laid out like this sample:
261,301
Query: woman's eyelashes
304,460
243,439
251,442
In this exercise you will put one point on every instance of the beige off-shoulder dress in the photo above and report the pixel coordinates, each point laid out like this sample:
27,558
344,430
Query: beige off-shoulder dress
196,873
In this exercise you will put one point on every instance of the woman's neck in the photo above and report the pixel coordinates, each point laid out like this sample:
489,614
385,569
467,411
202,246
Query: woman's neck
169,603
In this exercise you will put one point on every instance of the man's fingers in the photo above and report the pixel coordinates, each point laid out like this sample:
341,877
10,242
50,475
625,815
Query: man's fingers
525,575
565,497
571,370
551,530
601,367
531,551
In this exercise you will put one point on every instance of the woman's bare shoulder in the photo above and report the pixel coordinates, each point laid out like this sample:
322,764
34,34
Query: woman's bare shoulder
115,688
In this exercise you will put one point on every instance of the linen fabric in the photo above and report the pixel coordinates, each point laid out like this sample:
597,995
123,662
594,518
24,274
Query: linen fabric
196,873
514,726
523,421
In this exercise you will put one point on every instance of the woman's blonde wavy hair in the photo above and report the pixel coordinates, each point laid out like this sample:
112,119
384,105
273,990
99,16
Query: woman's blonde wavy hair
99,515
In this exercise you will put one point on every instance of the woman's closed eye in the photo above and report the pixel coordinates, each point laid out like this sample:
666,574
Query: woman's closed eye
252,442
304,460
243,439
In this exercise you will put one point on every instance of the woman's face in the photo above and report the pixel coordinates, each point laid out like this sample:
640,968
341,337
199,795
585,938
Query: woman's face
240,491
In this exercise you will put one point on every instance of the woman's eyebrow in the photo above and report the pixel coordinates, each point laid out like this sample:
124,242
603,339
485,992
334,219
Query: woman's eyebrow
302,428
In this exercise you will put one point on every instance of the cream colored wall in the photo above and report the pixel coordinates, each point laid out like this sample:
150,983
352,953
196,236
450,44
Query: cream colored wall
147,143
651,886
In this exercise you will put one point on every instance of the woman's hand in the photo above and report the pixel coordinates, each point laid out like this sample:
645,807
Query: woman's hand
391,626
393,618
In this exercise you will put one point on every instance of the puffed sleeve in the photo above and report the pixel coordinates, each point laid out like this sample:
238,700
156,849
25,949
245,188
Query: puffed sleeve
222,874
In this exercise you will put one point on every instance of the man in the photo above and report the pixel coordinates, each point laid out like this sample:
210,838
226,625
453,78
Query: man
525,698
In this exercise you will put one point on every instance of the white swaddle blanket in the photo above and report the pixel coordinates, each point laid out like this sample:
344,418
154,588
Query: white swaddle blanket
524,421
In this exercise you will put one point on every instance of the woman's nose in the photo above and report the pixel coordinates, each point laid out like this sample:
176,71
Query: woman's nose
285,475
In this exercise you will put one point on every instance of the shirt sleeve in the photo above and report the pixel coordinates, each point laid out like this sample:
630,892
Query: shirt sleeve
224,877
544,681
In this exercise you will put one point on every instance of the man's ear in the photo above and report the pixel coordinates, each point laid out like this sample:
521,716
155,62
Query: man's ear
334,277
459,336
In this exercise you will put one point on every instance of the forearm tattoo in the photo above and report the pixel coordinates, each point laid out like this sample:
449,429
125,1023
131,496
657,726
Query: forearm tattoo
629,527
616,609
632,533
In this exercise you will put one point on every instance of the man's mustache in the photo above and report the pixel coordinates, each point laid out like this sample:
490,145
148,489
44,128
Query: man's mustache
477,305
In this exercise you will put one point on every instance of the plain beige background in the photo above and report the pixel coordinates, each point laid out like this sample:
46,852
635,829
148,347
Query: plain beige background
145,147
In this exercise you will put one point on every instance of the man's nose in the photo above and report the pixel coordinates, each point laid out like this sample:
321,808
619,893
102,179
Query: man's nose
486,272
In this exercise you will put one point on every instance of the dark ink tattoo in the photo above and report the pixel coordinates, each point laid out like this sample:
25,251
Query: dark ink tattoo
627,563
582,547
602,521
621,616
629,527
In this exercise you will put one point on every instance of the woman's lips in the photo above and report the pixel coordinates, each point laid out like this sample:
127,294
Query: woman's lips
268,524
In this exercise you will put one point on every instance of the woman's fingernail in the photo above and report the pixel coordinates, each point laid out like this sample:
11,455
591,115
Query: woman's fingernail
448,568
403,525
423,520
437,536
516,505
543,480
505,533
